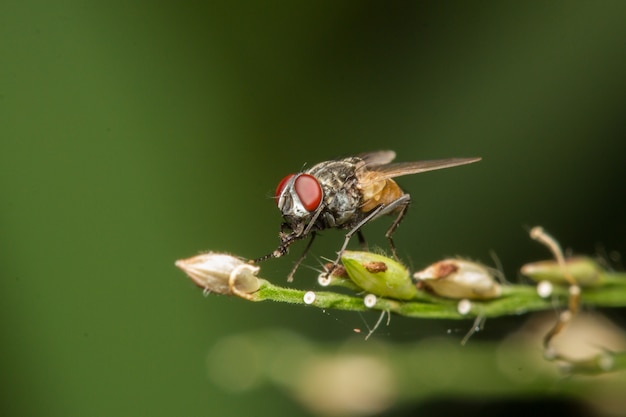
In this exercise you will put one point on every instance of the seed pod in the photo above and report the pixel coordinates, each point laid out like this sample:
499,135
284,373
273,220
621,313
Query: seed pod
379,275
584,270
456,278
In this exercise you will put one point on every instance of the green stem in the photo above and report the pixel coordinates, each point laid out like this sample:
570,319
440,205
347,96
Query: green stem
515,300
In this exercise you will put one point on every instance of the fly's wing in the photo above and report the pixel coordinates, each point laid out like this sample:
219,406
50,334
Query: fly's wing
407,168
377,158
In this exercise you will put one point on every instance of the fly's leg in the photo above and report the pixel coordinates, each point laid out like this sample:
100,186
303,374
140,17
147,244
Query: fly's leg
286,240
282,250
301,258
266,257
405,206
401,203
356,229
362,241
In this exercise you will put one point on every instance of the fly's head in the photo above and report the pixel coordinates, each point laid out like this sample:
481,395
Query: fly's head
299,198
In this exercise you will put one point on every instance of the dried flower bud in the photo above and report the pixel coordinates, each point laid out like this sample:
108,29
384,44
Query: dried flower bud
584,270
221,273
456,278
379,275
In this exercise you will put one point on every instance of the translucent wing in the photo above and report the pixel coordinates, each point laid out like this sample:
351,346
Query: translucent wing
408,168
374,159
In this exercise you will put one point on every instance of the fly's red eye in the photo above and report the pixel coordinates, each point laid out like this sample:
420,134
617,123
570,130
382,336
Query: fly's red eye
281,185
309,191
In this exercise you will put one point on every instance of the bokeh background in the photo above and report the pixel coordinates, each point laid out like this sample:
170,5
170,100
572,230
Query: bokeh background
136,133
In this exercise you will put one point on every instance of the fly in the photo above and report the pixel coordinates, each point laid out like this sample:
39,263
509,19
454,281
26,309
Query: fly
346,194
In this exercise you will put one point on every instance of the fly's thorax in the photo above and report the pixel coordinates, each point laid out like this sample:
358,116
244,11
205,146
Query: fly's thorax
335,172
342,198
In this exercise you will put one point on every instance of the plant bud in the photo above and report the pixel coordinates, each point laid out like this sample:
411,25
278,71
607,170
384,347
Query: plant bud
221,273
379,275
456,278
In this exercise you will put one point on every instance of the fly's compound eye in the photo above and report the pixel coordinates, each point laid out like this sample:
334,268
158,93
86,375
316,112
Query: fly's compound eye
309,191
281,186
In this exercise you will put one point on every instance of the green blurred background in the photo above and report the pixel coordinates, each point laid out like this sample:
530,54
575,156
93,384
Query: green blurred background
136,133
